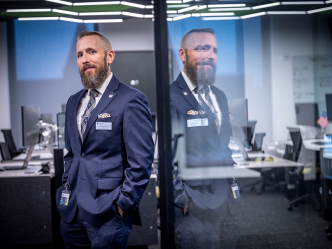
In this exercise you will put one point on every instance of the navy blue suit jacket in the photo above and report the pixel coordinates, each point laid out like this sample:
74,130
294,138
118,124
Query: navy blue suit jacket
109,166
204,147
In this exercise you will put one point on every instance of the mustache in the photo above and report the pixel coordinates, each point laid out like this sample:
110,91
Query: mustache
86,66
210,63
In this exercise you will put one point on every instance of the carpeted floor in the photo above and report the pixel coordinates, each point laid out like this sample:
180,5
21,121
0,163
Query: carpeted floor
266,223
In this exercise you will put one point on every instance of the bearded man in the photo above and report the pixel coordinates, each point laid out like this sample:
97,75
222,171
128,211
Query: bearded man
108,135
207,212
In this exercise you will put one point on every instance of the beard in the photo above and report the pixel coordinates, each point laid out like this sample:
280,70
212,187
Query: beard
96,80
200,76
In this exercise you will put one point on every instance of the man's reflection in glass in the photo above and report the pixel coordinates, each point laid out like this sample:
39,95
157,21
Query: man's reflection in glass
207,213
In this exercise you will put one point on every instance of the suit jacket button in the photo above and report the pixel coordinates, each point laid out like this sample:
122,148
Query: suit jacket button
83,155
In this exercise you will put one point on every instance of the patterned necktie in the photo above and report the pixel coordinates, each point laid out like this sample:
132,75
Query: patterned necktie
86,115
208,101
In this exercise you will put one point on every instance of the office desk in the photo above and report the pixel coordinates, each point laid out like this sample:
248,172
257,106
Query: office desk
277,163
309,144
25,207
43,154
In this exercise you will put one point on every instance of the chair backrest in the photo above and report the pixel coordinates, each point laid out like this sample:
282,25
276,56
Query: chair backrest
258,142
297,144
250,131
5,153
10,141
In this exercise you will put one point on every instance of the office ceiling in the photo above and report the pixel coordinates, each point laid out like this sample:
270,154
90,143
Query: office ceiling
117,11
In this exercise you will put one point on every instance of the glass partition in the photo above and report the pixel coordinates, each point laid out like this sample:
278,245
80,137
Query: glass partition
248,119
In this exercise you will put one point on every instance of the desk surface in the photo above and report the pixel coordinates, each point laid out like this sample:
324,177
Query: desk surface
30,171
309,144
277,163
43,154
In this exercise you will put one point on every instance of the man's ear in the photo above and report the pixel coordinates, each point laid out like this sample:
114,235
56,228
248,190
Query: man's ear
110,56
182,54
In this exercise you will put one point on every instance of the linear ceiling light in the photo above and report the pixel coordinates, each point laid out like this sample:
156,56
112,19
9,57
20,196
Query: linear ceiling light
149,6
253,15
214,14
187,9
231,9
103,20
265,6
178,6
172,11
181,17
220,18
201,7
61,2
148,16
100,13
37,18
71,19
125,13
301,3
187,1
28,10
133,4
65,12
173,1
169,19
286,12
226,5
319,10
96,3
330,1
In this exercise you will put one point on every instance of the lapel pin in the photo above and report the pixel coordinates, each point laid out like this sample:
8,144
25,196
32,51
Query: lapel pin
185,93
110,96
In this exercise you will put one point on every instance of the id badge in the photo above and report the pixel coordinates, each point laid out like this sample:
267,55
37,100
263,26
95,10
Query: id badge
197,122
235,190
65,197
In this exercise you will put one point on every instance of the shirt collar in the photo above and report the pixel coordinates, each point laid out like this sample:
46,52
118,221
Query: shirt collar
102,88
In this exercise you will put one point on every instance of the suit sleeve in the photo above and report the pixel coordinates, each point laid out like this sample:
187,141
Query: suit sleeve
181,198
68,158
137,135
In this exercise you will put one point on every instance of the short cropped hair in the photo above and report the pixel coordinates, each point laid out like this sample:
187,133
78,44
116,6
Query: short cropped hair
186,36
107,45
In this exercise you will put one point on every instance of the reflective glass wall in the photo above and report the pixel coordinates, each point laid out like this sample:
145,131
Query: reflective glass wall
249,105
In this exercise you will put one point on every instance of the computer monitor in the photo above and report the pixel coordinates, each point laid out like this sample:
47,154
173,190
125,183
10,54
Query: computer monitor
30,125
306,114
47,118
328,99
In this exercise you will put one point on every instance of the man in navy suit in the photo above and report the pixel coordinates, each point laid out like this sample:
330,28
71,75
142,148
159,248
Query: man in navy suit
207,211
108,136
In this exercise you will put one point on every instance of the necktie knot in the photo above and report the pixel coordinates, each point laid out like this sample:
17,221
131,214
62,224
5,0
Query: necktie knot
93,93
202,90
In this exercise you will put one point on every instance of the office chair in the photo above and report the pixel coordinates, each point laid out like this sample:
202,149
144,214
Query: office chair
268,175
11,144
5,153
296,174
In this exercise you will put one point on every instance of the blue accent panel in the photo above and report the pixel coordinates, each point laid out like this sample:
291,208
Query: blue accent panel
42,48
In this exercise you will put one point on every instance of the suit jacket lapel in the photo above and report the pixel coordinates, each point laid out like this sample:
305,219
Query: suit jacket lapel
73,118
105,100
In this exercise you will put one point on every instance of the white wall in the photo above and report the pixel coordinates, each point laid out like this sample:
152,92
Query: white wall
292,36
131,35
4,82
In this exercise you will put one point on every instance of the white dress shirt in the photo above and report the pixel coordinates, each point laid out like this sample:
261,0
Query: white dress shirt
212,95
85,100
